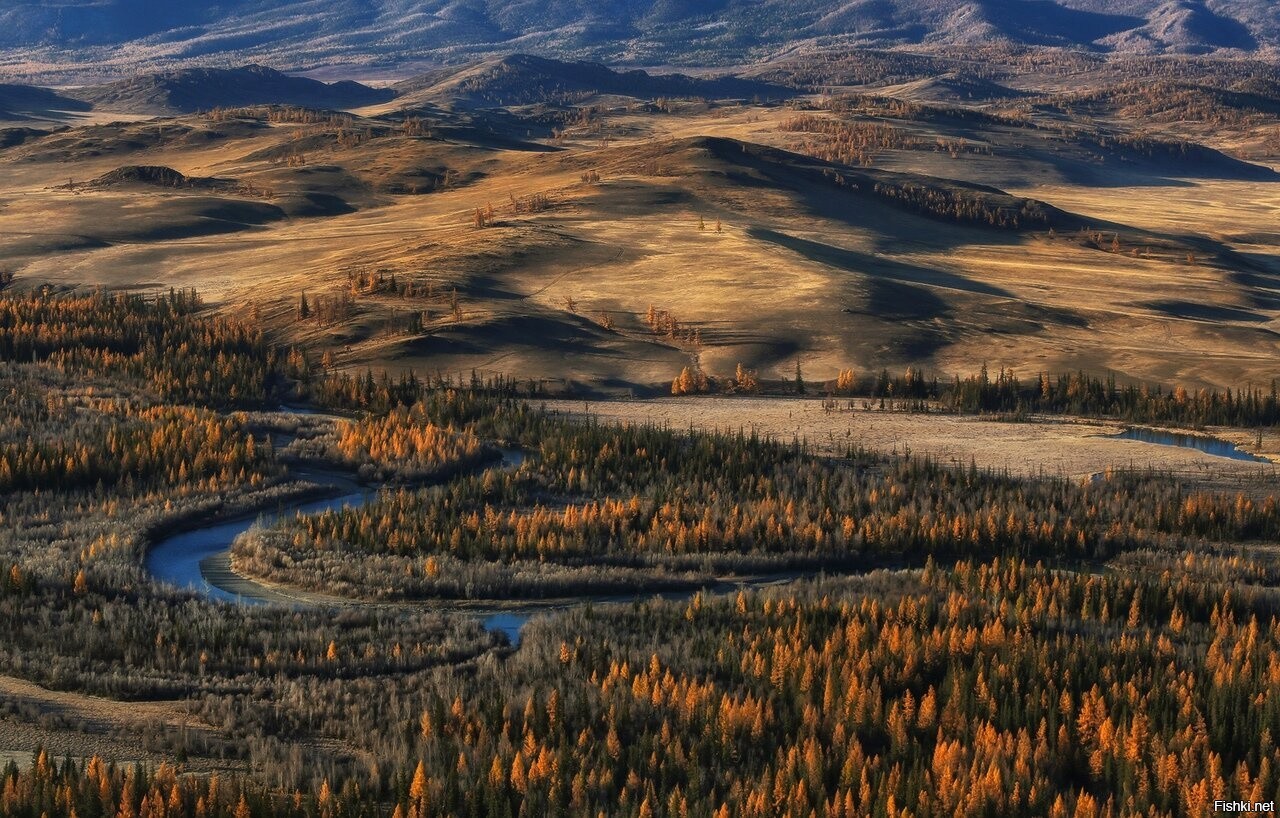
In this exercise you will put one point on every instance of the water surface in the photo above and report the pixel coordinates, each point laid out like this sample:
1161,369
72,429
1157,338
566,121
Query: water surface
1209,445
176,559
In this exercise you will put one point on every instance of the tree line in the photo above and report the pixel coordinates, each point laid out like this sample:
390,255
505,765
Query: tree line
1078,393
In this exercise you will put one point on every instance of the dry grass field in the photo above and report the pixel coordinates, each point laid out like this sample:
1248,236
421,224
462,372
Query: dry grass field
1051,446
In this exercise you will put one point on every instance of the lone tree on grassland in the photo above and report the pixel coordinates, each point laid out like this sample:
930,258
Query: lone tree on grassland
845,381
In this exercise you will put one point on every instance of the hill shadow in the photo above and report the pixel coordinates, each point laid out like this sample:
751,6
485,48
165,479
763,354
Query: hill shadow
1041,22
876,268
1191,311
1126,167
913,206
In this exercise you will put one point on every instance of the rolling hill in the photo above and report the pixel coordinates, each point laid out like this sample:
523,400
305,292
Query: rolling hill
864,230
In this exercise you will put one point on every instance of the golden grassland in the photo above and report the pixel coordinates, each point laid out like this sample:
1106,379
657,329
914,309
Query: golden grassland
1177,282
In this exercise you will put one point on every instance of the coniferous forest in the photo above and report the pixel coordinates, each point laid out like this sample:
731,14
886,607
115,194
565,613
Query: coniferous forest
865,634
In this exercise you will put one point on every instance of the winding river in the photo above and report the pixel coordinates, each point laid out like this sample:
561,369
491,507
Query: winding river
200,559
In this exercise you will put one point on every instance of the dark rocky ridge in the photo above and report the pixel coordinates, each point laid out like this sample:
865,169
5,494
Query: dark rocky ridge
525,79
195,89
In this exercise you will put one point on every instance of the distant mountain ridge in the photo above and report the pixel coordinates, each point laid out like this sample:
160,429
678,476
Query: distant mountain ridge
16,100
515,79
194,89
300,33
523,78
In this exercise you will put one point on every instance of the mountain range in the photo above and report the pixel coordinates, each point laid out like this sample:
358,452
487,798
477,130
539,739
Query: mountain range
107,34
511,80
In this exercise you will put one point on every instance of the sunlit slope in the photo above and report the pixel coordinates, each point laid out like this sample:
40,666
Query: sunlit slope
747,252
